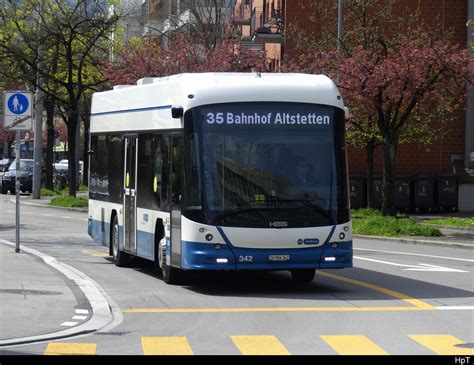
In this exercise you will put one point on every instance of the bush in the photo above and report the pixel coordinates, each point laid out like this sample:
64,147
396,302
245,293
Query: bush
47,192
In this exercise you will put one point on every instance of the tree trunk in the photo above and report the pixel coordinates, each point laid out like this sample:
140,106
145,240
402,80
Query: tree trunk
78,152
389,172
85,173
49,106
370,173
10,144
71,150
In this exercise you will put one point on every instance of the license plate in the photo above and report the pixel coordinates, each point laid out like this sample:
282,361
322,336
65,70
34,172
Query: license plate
279,258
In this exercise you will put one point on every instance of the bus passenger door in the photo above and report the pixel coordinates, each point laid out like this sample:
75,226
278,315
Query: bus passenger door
130,194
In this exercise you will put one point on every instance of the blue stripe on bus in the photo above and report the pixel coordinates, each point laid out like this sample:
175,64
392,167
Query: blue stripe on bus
330,234
226,239
99,231
132,110
145,245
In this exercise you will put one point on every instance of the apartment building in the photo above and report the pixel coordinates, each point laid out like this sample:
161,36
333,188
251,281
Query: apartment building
262,24
161,16
265,23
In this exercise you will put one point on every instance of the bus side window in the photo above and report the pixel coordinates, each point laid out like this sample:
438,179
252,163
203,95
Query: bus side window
162,168
177,169
115,168
192,193
102,167
93,162
145,177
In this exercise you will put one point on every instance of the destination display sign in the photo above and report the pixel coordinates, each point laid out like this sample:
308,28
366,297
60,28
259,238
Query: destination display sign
267,115
268,118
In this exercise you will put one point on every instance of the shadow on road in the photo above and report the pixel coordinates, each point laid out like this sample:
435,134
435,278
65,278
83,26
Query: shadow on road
279,284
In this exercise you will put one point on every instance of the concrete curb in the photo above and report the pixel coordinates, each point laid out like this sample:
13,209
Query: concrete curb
84,210
418,241
452,228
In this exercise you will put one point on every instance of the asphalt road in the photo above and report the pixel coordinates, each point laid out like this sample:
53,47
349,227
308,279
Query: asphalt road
398,299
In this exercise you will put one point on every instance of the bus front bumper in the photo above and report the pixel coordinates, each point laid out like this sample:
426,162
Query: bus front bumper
205,256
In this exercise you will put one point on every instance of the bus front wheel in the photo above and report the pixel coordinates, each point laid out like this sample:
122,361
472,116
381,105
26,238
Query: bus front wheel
171,275
303,275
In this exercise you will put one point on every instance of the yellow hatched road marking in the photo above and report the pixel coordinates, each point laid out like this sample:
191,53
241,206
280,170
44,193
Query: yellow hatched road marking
63,348
166,346
353,345
95,253
259,345
442,344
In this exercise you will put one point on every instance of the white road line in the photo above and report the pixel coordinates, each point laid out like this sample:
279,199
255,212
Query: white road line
82,311
457,307
419,267
79,317
46,215
415,254
69,324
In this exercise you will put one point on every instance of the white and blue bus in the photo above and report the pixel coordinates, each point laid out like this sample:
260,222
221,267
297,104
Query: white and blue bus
205,172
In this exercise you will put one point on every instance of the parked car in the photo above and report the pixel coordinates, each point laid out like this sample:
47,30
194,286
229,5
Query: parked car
62,167
26,176
4,165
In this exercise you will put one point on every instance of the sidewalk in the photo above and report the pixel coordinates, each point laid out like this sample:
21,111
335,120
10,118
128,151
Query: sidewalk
451,238
28,287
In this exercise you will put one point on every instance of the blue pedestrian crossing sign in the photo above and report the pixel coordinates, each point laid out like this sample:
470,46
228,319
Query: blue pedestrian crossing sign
17,110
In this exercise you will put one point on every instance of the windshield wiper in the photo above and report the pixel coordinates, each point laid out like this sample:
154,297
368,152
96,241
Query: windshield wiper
309,204
305,202
238,211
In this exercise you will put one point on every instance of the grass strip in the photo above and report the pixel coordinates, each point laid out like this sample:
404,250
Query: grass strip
69,202
371,222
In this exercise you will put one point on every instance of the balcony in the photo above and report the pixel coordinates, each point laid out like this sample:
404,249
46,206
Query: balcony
267,26
246,44
242,14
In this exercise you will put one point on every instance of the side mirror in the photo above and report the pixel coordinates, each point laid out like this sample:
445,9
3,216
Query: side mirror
177,112
346,112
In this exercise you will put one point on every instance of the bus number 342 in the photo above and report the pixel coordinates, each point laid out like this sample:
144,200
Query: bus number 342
245,258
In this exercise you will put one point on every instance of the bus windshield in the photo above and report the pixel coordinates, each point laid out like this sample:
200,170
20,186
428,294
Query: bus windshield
265,165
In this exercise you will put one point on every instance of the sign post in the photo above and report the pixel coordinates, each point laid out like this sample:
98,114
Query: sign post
18,112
